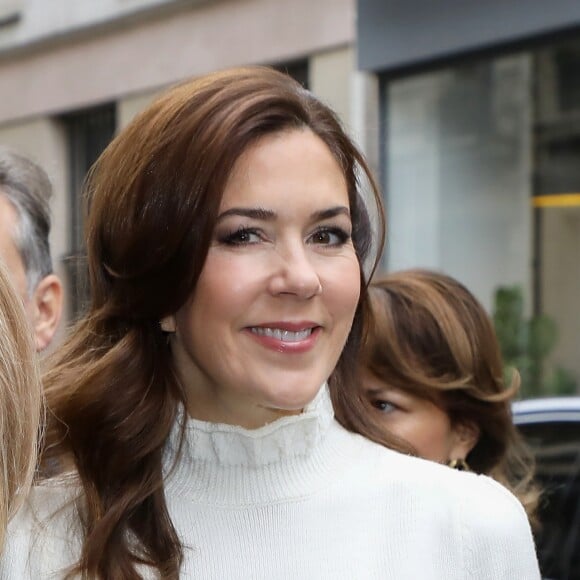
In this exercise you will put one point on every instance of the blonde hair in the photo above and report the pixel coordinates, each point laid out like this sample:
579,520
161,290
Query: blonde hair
20,403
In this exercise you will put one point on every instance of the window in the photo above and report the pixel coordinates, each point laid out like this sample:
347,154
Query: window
457,184
10,11
552,429
297,69
556,191
88,133
483,182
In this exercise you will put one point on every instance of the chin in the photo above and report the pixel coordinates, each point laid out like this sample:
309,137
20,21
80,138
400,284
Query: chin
294,401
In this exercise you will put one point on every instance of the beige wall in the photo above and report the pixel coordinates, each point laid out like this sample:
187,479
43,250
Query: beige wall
130,106
330,79
41,20
130,60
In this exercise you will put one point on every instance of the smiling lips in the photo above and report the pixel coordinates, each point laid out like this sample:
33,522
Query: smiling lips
283,335
286,337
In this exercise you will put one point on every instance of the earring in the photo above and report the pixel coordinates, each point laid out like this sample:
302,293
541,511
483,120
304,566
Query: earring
459,464
167,324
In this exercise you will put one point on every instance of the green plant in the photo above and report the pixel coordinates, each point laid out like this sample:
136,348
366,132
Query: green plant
526,345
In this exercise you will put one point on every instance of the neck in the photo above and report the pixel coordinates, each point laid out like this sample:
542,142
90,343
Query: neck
241,413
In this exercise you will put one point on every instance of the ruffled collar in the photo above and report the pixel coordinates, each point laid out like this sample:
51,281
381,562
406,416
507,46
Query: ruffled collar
225,463
292,436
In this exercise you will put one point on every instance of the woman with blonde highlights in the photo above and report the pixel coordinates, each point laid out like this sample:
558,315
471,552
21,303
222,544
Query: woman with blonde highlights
20,404
226,235
434,377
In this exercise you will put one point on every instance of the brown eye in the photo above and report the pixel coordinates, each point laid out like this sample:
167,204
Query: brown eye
322,238
241,237
330,237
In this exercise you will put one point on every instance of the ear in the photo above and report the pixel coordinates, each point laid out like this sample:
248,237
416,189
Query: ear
47,304
465,437
167,323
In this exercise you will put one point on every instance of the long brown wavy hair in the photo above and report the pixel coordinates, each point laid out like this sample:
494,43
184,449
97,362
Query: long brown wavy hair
153,197
431,337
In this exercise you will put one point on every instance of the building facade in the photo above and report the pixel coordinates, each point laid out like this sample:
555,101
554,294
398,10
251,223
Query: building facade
480,109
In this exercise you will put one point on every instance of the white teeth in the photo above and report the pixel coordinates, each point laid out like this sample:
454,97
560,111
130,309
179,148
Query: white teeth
283,335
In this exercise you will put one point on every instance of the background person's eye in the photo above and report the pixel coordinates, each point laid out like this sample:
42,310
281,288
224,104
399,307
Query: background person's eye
384,406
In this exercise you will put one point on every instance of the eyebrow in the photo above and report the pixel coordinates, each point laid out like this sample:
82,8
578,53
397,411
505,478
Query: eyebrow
331,212
262,214
257,213
375,391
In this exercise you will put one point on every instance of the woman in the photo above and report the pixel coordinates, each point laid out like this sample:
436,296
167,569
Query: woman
225,239
20,404
433,375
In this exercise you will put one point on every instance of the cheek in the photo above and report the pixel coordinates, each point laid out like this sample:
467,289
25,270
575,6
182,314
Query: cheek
341,282
431,433
223,284
419,428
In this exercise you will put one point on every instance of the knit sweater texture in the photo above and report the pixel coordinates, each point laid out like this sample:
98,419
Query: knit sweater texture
302,498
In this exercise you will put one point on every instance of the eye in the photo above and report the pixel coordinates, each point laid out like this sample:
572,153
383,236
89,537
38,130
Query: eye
384,406
330,236
241,237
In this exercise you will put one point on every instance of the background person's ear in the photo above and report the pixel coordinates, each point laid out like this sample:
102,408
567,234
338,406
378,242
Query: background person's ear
466,435
47,304
167,324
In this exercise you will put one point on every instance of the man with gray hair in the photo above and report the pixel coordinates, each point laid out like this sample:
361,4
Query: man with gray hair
25,193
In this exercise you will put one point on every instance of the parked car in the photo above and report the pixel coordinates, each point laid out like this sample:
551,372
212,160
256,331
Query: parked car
551,427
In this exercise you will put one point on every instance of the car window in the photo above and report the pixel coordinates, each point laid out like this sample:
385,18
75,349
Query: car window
556,446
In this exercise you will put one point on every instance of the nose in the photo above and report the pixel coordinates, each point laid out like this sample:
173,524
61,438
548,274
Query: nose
295,274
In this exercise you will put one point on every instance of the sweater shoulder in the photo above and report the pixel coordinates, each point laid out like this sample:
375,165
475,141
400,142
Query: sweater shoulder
43,537
473,510
391,469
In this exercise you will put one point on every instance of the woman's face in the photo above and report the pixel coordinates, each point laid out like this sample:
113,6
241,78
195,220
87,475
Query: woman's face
276,298
418,421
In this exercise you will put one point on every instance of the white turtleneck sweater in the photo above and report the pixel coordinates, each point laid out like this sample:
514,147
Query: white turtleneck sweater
302,498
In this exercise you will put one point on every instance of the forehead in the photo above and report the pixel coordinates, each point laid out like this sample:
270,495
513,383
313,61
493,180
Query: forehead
9,253
8,219
289,167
